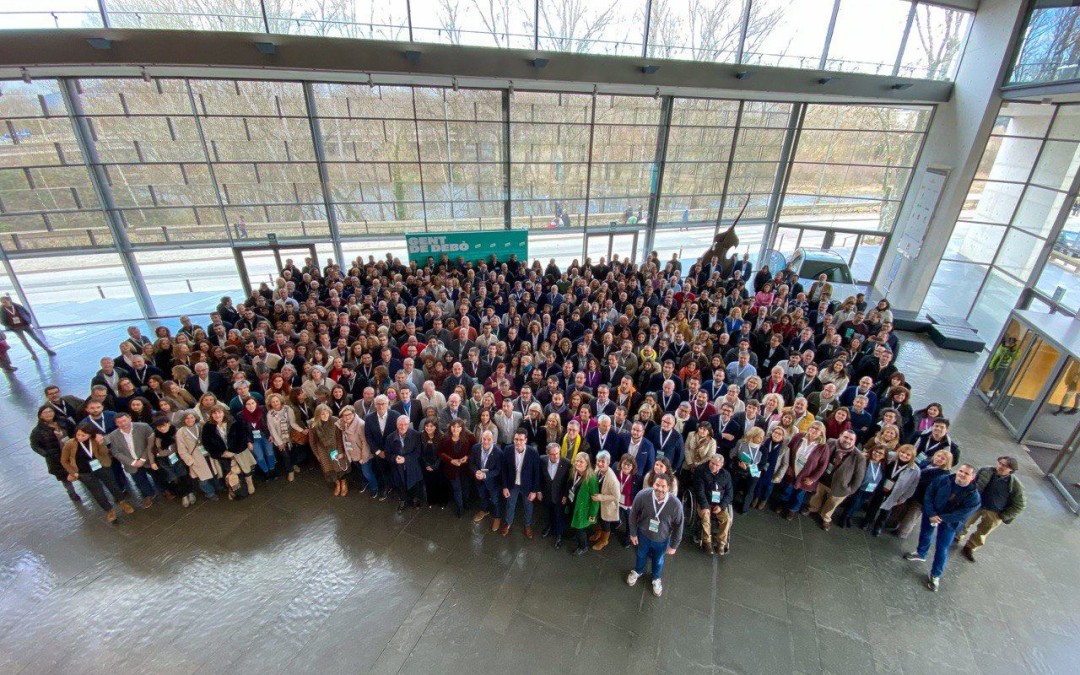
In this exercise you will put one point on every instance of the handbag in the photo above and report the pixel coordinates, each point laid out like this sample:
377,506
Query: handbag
299,437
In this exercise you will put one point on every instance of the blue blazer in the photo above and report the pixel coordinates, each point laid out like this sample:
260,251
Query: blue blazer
492,479
615,444
673,450
645,457
530,469
950,502
376,440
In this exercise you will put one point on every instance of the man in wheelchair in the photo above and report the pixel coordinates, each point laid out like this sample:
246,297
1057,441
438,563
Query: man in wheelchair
713,493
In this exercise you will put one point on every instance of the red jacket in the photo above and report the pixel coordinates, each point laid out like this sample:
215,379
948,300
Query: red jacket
811,473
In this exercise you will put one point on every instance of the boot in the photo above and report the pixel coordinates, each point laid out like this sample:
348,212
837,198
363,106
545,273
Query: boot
126,507
495,524
706,545
110,516
595,536
337,488
754,504
344,488
602,542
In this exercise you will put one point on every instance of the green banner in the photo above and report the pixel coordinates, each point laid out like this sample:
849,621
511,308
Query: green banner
468,245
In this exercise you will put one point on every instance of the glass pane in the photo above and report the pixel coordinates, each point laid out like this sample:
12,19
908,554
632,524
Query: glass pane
688,243
47,199
1047,51
696,30
1038,210
564,248
954,287
1018,253
787,240
990,202
788,33
997,299
866,257
1022,396
70,289
974,242
1060,277
935,42
366,19
1008,159
1051,425
1023,119
189,282
849,49
601,27
51,14
1067,123
225,15
1057,165
506,23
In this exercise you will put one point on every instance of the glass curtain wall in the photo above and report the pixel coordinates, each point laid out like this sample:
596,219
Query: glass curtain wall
1019,220
913,39
1049,50
207,164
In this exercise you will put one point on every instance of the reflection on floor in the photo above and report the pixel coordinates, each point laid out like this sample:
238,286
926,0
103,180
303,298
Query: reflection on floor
293,580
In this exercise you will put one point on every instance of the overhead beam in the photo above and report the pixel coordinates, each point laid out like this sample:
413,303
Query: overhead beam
164,53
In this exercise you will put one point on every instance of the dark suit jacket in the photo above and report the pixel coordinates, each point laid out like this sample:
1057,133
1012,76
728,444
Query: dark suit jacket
530,469
416,412
376,440
555,489
409,448
614,443
218,387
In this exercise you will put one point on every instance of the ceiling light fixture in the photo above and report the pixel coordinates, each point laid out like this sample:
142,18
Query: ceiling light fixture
539,62
100,43
743,75
266,48
650,68
900,86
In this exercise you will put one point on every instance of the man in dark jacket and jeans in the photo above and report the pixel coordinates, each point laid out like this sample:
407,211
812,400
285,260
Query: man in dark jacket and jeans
843,476
656,526
1002,498
949,502
713,493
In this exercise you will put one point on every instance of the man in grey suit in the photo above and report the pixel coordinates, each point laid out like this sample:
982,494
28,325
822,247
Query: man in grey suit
507,420
132,444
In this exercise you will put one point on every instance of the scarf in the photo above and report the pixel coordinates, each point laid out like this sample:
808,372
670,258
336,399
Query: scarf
577,446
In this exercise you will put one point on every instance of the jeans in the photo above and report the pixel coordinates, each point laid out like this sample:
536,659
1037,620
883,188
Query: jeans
264,454
943,536
367,470
511,505
764,489
647,549
489,501
853,506
97,482
457,487
142,481
207,487
793,498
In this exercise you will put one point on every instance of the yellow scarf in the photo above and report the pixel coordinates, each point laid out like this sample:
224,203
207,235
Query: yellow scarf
577,446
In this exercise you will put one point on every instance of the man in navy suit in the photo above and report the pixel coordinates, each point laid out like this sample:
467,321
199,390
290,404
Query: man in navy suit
603,437
379,426
666,441
521,479
403,451
485,461
205,381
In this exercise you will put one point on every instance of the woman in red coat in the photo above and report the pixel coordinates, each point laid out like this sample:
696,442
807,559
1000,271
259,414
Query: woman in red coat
808,459
453,452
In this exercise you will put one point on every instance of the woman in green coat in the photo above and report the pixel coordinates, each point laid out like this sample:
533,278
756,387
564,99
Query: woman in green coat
579,501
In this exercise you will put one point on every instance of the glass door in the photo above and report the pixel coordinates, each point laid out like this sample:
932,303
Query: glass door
608,244
1025,391
1064,474
1057,418
262,264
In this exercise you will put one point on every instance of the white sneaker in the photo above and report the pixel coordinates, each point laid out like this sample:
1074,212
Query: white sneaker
186,501
191,499
632,578
657,587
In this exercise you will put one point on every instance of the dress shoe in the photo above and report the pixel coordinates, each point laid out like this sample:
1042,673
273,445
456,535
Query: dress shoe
804,511
968,553
110,516
546,533
789,515
558,542
826,525
528,532
504,530
580,551
495,524
148,502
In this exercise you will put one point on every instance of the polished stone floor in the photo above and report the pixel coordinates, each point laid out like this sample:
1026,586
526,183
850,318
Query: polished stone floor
293,580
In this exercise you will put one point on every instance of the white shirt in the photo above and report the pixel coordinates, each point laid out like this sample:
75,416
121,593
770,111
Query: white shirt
519,461
130,443
553,467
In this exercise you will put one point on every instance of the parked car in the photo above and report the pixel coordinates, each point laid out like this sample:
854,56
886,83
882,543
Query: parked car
811,263
1068,243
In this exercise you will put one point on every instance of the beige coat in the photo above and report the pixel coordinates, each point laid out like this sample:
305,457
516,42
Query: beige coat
273,422
200,466
697,451
609,497
355,440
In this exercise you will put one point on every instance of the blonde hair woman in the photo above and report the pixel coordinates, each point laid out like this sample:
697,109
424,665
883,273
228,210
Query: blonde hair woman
329,449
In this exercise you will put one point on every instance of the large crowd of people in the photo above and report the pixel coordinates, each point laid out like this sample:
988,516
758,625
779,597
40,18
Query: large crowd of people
602,400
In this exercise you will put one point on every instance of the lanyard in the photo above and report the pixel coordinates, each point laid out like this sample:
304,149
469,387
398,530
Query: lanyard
875,473
663,440
658,507
192,434
87,450
100,425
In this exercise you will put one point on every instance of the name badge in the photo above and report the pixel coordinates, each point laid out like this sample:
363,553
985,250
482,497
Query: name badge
348,446
660,453
715,497
829,470
754,471
204,451
95,465
333,455
654,525
869,487
888,486
173,459
920,458
256,434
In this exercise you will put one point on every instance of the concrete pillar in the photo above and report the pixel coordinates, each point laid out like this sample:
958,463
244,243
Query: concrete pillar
955,141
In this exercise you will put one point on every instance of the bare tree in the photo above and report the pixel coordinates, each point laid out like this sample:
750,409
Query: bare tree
940,43
497,17
1052,41
571,26
709,30
449,21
